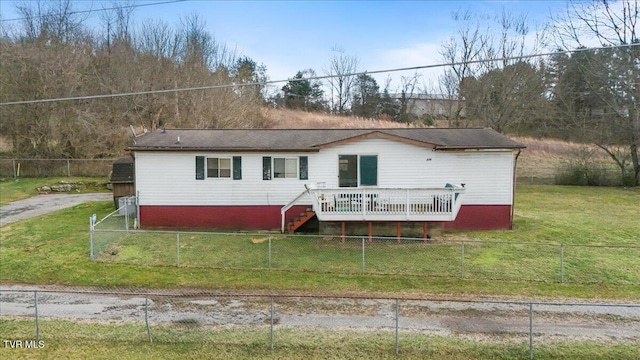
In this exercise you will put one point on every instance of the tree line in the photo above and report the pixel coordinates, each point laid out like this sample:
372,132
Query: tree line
492,77
52,54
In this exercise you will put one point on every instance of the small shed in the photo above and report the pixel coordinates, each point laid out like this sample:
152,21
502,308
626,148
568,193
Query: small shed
123,179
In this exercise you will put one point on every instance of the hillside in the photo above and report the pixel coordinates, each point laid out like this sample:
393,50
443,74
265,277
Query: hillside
537,163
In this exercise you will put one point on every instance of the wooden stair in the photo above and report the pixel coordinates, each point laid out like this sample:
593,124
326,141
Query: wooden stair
300,220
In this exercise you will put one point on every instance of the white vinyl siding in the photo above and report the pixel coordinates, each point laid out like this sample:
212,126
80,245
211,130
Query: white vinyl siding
167,178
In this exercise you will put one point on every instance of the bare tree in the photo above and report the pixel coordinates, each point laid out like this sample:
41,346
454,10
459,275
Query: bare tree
502,91
613,72
341,69
407,94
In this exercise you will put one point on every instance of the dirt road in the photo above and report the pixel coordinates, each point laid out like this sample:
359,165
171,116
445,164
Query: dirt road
488,319
43,204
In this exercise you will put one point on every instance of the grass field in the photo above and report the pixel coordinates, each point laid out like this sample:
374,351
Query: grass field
54,249
64,339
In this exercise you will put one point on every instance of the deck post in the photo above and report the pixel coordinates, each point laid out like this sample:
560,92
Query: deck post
343,231
370,231
398,230
425,231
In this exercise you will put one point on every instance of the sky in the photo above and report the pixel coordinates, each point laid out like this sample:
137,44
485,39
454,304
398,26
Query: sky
287,36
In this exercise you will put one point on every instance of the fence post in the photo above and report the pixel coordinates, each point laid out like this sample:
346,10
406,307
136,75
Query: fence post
146,317
362,255
92,224
35,303
126,215
178,249
270,254
271,326
462,260
68,169
397,321
530,330
561,263
13,166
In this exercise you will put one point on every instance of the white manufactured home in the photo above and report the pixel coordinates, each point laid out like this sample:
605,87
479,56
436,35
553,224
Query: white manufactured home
282,178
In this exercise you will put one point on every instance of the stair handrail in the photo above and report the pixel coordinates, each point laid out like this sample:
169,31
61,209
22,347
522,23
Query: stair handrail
284,209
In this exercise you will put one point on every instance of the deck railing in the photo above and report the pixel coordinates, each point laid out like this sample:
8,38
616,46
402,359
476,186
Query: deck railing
387,204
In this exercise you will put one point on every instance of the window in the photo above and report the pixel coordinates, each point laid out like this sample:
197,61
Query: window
218,167
285,168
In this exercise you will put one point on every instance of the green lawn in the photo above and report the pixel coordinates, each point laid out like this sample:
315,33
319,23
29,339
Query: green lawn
11,190
71,340
54,249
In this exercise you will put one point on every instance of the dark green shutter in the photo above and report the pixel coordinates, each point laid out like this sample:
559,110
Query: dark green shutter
304,168
369,170
237,168
266,168
199,167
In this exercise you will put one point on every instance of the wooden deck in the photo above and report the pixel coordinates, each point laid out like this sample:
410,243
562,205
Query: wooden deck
385,204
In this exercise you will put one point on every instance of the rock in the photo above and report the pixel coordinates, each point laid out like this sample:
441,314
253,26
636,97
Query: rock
45,188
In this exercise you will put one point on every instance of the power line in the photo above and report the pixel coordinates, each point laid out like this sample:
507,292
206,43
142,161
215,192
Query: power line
261,83
93,10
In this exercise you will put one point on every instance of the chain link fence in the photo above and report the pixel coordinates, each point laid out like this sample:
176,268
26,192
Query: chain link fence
115,239
271,321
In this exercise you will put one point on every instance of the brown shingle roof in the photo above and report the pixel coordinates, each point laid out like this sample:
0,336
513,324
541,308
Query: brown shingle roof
313,139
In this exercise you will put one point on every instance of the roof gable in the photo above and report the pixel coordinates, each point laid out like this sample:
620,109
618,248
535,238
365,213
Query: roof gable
377,135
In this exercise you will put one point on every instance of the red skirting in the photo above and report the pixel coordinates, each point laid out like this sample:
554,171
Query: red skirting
470,217
482,217
219,217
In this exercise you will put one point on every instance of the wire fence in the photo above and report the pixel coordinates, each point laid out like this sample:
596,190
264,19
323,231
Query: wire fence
27,167
271,321
115,239
15,168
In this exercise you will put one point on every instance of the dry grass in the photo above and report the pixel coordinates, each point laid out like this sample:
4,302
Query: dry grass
296,119
543,157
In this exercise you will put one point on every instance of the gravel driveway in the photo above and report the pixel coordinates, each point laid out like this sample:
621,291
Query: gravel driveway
492,319
43,204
